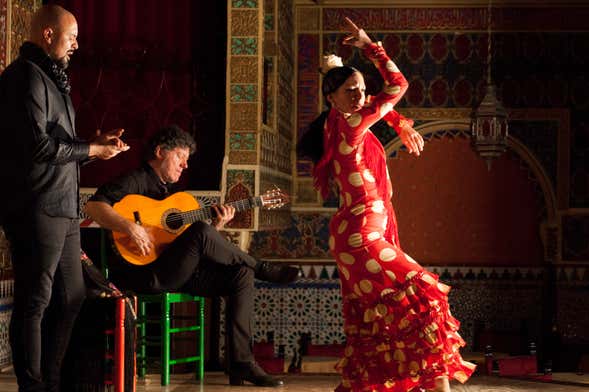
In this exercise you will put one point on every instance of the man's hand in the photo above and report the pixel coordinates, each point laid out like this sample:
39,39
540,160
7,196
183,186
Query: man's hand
141,239
107,145
412,140
225,213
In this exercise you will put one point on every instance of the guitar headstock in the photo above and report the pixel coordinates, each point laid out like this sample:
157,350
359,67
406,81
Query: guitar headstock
274,198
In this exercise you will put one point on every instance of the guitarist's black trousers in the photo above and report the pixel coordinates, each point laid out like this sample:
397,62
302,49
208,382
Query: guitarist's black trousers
201,262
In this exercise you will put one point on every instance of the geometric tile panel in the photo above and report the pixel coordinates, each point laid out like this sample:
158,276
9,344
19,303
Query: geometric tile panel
6,301
244,116
244,3
244,23
244,46
244,92
242,141
3,35
243,157
244,69
240,185
478,300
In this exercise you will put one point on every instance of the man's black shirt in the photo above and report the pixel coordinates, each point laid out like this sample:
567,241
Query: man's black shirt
142,181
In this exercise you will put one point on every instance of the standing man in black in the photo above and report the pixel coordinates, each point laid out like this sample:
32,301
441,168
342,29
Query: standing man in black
39,202
199,261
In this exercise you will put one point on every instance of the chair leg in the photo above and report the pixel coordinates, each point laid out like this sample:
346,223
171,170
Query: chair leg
201,333
165,342
142,326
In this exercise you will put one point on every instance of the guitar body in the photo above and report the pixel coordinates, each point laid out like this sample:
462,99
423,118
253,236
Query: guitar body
158,217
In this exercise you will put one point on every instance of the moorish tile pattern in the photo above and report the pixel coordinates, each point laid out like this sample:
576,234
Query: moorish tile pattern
259,127
478,299
3,33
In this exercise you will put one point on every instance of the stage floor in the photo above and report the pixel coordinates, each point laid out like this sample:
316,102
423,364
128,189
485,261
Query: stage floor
218,382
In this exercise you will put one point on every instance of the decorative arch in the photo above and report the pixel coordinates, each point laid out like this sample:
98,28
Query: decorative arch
432,128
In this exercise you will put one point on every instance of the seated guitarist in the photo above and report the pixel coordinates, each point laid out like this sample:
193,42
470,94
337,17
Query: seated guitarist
199,261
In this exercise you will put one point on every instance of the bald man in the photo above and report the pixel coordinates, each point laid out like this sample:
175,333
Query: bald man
39,201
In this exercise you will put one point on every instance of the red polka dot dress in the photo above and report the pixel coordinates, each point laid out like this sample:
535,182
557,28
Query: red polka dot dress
400,334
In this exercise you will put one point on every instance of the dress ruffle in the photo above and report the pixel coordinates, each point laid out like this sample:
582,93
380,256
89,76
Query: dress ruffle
403,338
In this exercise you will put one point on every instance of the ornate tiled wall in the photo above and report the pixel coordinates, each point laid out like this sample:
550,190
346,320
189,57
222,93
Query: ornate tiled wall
443,54
500,301
3,33
259,113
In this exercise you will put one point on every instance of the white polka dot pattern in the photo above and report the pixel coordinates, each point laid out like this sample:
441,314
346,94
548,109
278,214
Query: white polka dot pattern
368,175
373,266
355,179
358,209
387,254
391,275
392,90
410,259
373,236
344,271
378,207
354,120
347,258
337,167
366,286
355,240
385,108
344,148
391,66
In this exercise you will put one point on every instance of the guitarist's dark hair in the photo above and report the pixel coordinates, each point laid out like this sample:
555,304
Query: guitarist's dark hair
168,138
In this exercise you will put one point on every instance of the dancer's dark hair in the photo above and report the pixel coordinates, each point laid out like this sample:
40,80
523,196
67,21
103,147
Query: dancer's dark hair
311,143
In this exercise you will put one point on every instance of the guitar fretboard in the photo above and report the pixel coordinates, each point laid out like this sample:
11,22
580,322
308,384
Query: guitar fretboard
205,213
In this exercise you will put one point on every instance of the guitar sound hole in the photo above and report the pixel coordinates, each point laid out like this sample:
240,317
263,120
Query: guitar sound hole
174,221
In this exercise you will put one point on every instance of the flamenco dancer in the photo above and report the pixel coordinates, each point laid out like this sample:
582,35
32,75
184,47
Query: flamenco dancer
400,334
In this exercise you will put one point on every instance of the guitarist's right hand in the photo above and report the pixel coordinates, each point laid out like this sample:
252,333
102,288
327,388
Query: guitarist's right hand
141,239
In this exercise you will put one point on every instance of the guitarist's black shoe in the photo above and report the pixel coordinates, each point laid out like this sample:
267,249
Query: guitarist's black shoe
251,372
276,272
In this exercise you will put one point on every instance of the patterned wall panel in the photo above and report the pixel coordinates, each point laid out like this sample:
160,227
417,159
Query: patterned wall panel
241,185
285,86
3,33
259,119
460,18
305,237
502,302
6,300
21,12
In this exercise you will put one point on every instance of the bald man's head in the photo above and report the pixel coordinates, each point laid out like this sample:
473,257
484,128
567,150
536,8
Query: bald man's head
55,30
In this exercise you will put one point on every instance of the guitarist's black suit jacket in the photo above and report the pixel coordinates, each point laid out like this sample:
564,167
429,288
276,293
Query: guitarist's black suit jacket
39,161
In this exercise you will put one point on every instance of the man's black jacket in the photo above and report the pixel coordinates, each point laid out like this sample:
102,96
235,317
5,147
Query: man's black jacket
39,168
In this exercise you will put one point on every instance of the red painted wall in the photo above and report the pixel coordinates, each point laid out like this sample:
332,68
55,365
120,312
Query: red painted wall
452,210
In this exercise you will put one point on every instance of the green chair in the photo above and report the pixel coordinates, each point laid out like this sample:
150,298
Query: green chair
166,301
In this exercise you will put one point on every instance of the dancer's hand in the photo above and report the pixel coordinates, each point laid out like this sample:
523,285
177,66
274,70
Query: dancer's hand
357,37
412,140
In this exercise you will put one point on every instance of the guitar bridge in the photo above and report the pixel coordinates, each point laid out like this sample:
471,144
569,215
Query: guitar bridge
137,217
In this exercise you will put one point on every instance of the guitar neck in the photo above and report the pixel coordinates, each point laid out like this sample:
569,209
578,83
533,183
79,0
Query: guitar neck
206,213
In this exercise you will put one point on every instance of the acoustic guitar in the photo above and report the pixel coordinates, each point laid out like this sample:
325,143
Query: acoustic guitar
167,219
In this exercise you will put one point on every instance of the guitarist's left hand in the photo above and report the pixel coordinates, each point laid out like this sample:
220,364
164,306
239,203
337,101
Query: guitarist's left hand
224,214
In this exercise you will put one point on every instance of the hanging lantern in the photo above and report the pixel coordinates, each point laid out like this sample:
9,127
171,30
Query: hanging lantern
489,127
